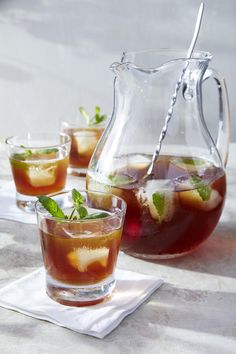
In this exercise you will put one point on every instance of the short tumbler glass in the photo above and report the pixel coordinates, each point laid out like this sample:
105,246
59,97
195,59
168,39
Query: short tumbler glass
39,165
80,255
84,140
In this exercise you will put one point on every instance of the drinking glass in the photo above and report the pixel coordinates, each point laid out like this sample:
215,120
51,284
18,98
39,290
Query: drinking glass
80,255
39,165
84,140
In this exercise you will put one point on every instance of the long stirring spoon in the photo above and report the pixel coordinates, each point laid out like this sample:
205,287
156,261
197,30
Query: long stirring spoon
174,97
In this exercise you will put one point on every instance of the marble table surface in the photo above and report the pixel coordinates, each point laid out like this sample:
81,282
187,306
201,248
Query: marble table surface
194,312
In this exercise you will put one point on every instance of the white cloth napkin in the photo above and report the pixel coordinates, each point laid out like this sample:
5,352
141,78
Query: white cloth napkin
9,210
27,295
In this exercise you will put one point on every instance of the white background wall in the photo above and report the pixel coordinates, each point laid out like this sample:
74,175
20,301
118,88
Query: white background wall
55,54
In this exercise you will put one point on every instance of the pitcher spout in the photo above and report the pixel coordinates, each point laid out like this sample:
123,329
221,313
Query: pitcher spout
117,67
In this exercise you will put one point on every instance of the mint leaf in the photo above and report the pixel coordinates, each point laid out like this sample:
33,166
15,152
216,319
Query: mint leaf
23,156
97,110
82,212
51,206
159,202
28,152
96,216
202,188
85,114
77,199
119,180
47,151
194,162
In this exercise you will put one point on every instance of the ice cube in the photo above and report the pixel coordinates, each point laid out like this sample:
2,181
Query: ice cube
193,199
82,258
167,196
41,176
86,142
182,183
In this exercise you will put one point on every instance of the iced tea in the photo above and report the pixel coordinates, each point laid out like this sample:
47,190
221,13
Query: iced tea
42,172
83,143
80,255
81,259
39,164
171,213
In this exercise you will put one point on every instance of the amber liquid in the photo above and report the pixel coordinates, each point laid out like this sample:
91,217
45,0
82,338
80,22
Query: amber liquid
39,177
78,260
186,221
83,143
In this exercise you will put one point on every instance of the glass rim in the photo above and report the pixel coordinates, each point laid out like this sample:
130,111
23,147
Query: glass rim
40,210
68,124
34,137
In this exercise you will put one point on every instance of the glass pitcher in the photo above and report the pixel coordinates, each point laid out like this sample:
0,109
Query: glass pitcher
174,209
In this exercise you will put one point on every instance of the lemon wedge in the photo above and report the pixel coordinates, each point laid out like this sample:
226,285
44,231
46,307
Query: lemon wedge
193,199
82,258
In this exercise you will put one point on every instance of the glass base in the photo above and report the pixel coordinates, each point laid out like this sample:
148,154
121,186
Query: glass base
77,171
26,202
74,295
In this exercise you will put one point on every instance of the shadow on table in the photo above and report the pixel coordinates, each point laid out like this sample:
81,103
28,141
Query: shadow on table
217,255
19,246
184,316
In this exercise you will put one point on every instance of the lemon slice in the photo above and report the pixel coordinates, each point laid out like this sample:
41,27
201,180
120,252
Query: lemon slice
82,258
193,199
40,176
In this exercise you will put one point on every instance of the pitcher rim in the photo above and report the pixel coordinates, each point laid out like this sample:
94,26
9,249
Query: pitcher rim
203,54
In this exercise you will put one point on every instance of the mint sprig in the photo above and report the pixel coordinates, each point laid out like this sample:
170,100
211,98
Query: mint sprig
82,213
203,189
159,202
97,118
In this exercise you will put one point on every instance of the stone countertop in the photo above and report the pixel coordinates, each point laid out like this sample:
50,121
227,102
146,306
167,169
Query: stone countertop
193,312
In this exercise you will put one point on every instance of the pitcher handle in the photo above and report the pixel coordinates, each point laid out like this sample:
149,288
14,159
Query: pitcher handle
223,135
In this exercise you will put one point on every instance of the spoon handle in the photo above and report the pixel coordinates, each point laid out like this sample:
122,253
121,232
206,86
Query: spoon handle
196,31
177,87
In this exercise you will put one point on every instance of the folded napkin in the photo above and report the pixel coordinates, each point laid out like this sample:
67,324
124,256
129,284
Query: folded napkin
27,295
9,210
